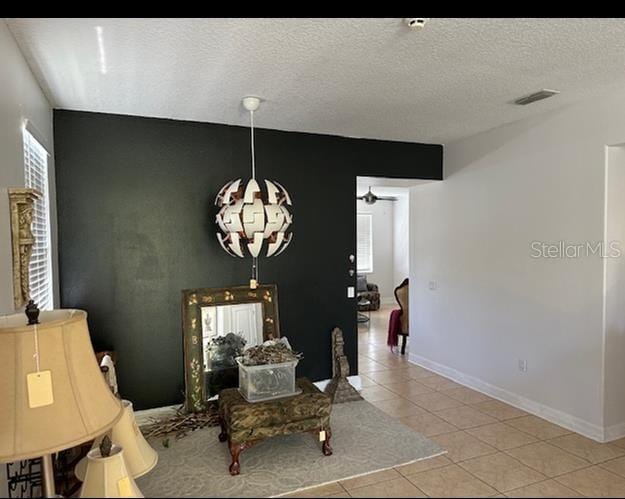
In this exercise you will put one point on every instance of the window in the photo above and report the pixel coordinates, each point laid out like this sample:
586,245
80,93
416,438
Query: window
40,270
364,243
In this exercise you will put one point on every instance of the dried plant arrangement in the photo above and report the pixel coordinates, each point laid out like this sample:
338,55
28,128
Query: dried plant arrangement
270,352
182,423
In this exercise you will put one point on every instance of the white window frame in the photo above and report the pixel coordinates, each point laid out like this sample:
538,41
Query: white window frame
359,263
36,176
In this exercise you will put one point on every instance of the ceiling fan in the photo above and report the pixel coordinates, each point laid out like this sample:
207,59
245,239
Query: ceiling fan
370,198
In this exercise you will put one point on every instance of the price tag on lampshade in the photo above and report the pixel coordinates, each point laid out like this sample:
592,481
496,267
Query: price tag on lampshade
39,383
124,488
39,389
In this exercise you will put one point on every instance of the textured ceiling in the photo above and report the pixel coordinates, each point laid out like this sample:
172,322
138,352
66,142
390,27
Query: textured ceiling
370,78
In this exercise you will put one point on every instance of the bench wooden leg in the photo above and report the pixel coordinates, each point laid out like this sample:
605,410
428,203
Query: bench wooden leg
223,436
235,451
326,447
403,344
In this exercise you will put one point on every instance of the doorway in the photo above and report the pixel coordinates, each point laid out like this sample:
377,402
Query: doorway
382,257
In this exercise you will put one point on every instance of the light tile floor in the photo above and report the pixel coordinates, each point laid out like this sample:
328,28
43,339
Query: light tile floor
494,450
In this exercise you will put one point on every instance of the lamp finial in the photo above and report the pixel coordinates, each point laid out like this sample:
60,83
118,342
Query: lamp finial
32,312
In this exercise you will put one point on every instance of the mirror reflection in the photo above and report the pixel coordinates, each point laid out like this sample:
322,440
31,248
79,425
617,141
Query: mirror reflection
227,330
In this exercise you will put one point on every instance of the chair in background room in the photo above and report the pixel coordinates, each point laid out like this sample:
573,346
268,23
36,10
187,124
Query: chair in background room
368,294
399,319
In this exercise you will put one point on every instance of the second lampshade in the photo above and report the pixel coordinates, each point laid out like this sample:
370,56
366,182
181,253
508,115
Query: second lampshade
139,456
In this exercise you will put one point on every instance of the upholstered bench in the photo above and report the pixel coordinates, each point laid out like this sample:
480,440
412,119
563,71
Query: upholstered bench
244,424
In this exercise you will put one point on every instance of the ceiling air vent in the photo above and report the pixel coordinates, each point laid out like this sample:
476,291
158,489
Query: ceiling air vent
540,95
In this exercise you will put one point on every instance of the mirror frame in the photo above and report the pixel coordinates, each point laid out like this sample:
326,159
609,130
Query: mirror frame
192,302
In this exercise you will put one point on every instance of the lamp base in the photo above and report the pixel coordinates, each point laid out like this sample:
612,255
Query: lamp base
47,470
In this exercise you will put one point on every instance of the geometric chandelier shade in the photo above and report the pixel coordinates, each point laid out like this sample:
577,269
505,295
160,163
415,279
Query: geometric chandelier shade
248,218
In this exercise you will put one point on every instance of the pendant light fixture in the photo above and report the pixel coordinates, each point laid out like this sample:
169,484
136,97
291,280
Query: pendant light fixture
248,216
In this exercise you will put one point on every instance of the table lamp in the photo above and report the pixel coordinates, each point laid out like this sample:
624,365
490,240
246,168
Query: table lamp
139,456
52,393
108,476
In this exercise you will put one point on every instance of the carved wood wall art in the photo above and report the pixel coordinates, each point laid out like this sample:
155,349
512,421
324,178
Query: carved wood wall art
339,387
21,205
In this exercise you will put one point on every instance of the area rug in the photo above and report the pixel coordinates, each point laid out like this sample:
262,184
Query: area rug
364,439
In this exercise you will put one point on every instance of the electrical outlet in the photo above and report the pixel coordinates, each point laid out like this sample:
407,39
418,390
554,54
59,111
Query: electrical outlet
523,365
432,285
351,292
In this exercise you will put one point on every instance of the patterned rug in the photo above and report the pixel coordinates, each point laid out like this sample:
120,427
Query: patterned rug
364,440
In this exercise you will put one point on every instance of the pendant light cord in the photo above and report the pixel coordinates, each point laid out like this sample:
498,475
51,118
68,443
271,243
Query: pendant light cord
252,142
254,259
255,268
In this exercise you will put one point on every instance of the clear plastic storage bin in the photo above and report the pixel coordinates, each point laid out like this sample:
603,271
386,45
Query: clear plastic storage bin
268,381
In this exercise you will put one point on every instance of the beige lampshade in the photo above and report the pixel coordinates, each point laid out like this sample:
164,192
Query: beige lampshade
108,476
79,406
140,457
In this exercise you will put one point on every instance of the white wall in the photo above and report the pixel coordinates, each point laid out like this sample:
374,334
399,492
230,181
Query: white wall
615,291
382,223
540,179
20,99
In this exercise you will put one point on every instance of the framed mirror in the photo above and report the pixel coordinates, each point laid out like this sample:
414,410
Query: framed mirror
217,324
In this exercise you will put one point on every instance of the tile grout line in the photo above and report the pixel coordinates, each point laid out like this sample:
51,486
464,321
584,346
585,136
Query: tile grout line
466,471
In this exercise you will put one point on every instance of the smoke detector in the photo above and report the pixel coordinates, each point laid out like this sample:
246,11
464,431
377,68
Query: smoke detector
416,23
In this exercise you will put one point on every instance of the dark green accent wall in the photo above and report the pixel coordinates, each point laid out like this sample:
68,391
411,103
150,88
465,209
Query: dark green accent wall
136,226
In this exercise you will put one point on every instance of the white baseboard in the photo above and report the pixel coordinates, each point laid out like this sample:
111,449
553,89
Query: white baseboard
355,381
614,432
555,416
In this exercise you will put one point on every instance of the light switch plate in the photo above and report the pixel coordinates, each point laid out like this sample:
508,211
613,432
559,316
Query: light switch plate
351,292
433,285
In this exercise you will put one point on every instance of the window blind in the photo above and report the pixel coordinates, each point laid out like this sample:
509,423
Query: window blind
36,176
364,241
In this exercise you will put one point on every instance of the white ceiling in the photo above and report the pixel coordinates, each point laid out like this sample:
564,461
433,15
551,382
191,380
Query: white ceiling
370,78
